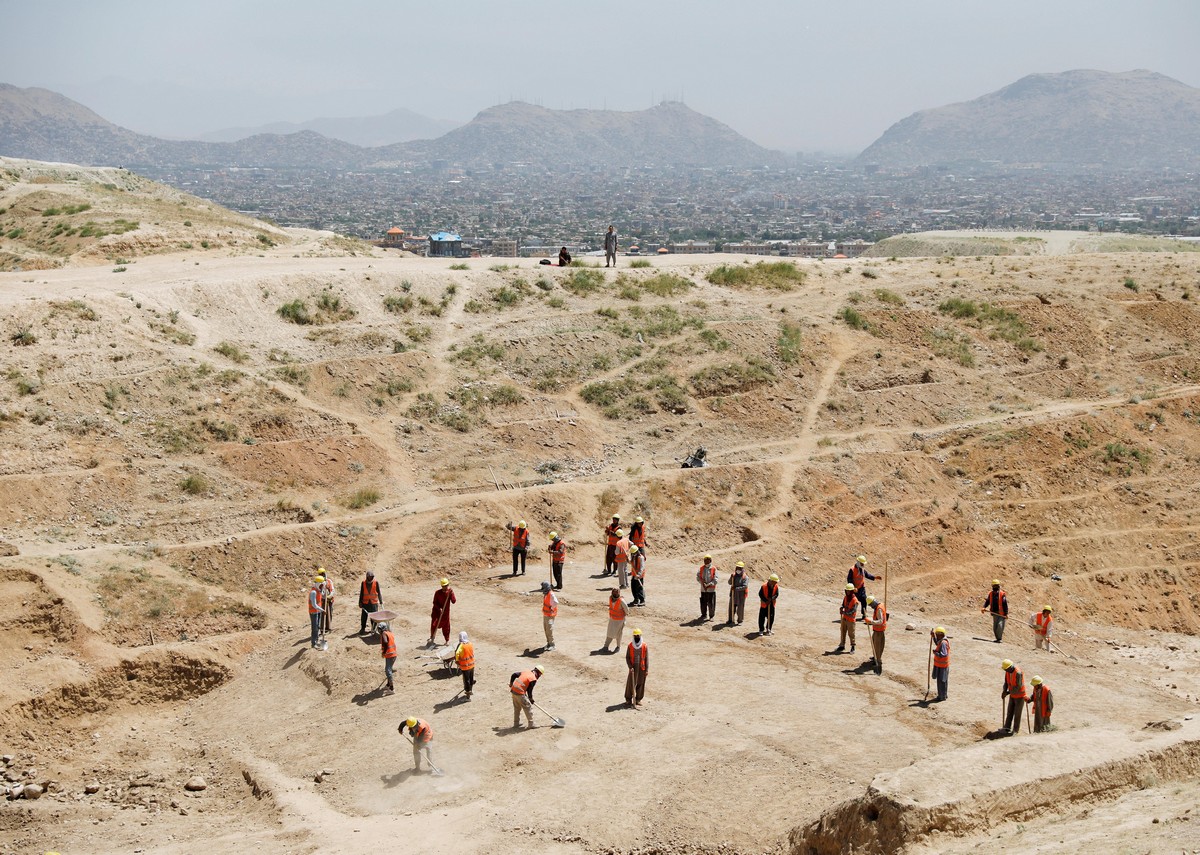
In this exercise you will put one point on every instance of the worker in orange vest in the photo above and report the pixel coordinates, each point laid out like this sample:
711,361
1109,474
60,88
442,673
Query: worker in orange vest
637,575
370,600
520,545
739,589
549,613
558,557
941,662
422,737
1042,701
611,536
708,576
440,615
617,611
858,577
327,593
768,595
996,602
637,534
464,656
521,685
637,657
621,559
878,624
1043,628
846,611
1014,690
387,649
316,609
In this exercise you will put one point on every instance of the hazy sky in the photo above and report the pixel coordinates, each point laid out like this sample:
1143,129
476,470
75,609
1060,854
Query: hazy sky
789,74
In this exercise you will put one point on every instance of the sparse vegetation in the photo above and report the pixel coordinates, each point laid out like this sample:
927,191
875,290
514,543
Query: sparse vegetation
950,344
891,298
730,377
584,282
295,312
1131,284
788,343
23,337
854,319
999,322
231,352
771,275
462,265
640,262
398,304
195,484
363,498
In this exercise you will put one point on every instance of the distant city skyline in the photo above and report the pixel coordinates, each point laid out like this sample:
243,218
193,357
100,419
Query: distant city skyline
788,74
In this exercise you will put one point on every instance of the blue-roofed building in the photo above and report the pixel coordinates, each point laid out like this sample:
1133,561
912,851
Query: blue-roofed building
445,245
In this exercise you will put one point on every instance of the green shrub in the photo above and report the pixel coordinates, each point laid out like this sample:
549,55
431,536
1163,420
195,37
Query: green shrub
854,318
868,273
363,498
397,304
295,312
584,282
1131,284
787,346
730,377
640,262
195,484
462,265
883,295
23,337
772,275
231,352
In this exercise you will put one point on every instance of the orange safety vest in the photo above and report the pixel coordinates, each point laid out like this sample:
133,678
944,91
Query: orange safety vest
880,615
370,592
707,577
996,603
424,731
637,535
1014,681
549,607
465,656
849,606
638,660
621,556
940,661
558,551
616,609
639,566
387,643
320,606
611,531
767,595
857,578
520,538
1043,700
521,685
1043,623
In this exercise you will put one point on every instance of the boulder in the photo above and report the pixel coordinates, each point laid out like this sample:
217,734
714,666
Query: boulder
195,784
32,791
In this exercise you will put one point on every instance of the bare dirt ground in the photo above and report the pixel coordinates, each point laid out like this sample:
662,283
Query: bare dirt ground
178,458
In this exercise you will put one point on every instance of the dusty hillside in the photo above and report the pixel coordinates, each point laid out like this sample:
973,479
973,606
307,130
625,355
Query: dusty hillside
56,214
185,443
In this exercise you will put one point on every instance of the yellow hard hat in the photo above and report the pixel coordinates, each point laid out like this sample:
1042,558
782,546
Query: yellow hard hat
741,564
638,519
616,516
1047,609
539,669
633,550
412,722
708,558
521,524
849,586
995,581
862,559
637,632
774,577
1006,664
870,601
319,579
444,582
620,532
554,535
1037,681
940,631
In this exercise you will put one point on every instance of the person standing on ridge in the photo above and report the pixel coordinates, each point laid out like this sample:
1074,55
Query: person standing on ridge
1043,628
316,609
858,577
611,535
846,611
440,616
1014,690
941,662
520,545
610,246
549,613
637,657
370,600
878,624
708,576
387,649
996,602
637,575
1042,700
617,612
421,733
464,655
768,595
621,559
739,589
558,557
521,685
637,534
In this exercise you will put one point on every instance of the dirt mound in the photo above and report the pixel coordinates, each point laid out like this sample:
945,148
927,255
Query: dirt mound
908,807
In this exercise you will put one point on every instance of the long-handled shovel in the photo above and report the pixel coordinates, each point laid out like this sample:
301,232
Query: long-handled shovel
1028,725
436,771
558,722
929,668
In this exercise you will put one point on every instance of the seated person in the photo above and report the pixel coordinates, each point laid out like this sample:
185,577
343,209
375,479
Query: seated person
564,257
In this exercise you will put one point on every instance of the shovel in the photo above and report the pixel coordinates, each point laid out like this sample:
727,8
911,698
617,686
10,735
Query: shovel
558,722
437,773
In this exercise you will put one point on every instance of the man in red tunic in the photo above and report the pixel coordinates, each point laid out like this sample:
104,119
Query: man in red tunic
440,616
